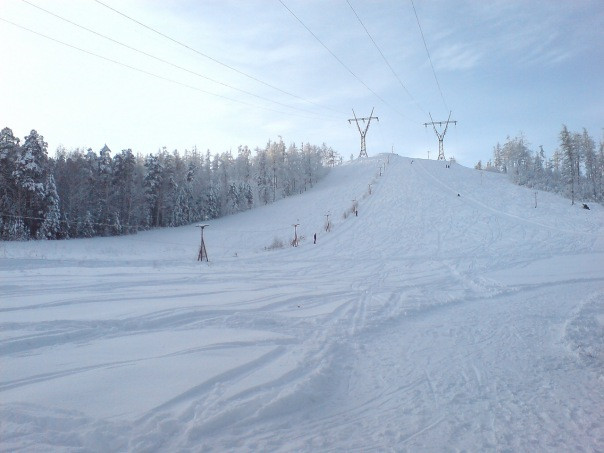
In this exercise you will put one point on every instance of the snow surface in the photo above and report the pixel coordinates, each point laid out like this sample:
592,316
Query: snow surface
431,321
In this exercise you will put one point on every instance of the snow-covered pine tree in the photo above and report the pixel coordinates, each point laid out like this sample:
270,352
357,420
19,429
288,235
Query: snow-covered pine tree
295,170
212,205
124,167
17,230
233,199
29,174
9,150
569,161
574,169
538,171
600,173
104,191
92,194
222,169
588,147
116,225
86,227
498,162
263,180
181,212
51,226
153,188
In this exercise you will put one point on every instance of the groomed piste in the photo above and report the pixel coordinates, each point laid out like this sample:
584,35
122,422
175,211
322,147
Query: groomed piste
443,311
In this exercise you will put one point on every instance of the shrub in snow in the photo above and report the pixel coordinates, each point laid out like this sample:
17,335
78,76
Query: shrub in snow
276,244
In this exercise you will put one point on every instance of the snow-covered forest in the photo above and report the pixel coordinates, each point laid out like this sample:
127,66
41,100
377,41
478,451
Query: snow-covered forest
81,193
575,169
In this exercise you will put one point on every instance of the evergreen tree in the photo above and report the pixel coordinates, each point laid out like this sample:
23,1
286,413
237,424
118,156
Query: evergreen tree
569,159
29,174
51,226
248,195
233,198
538,169
212,206
9,150
86,227
103,195
263,180
124,168
17,230
599,172
153,188
498,159
591,169
116,225
82,194
575,169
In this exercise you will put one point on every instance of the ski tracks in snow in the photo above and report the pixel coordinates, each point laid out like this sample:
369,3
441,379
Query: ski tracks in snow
429,322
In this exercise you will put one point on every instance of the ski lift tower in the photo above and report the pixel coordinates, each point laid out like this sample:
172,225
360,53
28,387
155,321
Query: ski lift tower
441,136
202,248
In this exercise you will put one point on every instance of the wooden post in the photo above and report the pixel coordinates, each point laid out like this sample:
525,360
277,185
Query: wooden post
202,248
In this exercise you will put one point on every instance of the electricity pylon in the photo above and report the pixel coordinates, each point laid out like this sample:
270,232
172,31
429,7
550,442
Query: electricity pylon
441,137
363,152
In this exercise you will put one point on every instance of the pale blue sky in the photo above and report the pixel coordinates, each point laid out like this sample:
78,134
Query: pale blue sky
504,67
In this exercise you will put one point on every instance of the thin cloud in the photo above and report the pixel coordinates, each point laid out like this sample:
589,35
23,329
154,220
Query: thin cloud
457,57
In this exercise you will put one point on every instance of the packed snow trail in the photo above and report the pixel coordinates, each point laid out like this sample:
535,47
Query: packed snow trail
448,315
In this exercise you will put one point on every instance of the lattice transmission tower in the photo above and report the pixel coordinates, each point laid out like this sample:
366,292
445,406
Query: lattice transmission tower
440,135
363,152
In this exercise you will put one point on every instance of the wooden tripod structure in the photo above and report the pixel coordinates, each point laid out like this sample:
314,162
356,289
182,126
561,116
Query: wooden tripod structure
203,254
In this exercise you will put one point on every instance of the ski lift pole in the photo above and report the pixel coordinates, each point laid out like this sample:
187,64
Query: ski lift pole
295,225
202,248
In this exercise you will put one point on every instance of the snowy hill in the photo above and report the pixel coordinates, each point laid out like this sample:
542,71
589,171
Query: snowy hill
449,314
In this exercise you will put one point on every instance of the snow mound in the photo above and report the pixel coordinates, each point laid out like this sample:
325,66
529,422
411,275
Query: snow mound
584,332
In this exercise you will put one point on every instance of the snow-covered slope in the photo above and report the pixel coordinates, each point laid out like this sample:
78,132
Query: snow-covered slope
450,314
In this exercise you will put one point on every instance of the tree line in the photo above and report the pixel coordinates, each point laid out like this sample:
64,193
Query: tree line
575,169
82,193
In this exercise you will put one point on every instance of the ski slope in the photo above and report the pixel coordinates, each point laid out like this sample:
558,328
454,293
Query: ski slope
449,315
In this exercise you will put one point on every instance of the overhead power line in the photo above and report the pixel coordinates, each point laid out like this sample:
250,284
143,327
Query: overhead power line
385,59
174,65
72,222
338,59
133,68
429,58
215,60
